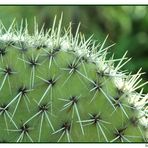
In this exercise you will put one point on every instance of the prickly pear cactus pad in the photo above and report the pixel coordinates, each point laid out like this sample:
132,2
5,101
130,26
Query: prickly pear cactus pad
60,87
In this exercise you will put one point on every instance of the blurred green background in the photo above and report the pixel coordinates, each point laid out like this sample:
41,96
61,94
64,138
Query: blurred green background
127,26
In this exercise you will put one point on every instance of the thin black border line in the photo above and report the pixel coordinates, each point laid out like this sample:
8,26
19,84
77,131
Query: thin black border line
74,4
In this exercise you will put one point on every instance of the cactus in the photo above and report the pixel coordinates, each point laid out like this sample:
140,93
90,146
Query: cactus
60,87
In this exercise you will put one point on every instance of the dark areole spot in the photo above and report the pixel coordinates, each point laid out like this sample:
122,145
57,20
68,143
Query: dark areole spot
73,67
33,62
22,90
2,51
3,109
96,86
66,126
24,128
51,82
8,71
120,133
134,121
74,99
43,107
96,118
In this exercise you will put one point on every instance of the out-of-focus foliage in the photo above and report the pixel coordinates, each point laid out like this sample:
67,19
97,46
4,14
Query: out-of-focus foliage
127,26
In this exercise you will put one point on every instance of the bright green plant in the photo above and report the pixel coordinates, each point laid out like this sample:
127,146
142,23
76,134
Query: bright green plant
60,87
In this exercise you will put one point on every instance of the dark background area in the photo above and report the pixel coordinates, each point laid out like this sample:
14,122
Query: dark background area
127,26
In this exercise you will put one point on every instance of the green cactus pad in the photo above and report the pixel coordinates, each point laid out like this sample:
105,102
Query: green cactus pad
58,87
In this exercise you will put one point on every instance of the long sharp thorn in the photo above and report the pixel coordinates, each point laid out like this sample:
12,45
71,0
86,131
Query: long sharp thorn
40,131
49,121
44,94
13,100
61,136
103,132
16,106
3,82
75,106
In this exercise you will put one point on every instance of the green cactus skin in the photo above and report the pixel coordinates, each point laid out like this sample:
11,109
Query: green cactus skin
58,87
